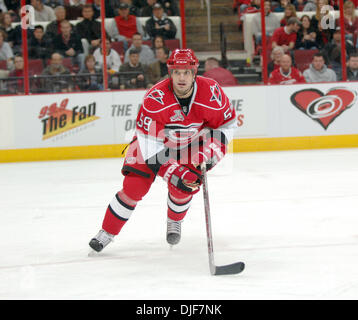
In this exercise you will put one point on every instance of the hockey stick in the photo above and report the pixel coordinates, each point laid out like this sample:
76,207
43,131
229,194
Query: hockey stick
233,268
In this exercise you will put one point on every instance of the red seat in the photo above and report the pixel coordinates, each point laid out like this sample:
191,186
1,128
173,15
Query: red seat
35,66
118,46
3,65
303,58
172,44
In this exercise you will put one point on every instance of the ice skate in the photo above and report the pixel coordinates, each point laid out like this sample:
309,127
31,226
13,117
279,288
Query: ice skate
173,231
101,240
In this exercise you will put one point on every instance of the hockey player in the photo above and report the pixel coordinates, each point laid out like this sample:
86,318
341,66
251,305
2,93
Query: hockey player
184,121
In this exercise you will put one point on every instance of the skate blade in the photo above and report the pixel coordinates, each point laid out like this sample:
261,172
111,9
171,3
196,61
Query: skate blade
93,253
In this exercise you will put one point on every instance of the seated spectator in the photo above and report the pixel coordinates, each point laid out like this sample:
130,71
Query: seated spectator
322,27
123,26
158,70
39,45
147,10
281,7
146,55
276,56
6,52
68,44
157,42
352,67
170,7
306,36
89,28
311,5
74,9
133,75
53,3
286,36
271,23
54,27
332,50
113,59
6,25
17,86
290,12
286,74
93,79
58,83
350,21
221,75
133,8
42,12
160,24
318,71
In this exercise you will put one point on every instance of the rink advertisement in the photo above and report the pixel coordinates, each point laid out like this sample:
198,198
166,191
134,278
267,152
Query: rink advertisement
100,124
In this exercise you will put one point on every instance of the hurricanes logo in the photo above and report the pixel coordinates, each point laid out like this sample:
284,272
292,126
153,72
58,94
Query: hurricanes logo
216,94
57,119
157,95
324,108
177,116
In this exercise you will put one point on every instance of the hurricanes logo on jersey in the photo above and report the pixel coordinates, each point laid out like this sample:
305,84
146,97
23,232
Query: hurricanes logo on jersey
216,94
177,116
157,95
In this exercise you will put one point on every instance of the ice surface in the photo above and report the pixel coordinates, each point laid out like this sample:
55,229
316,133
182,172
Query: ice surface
290,216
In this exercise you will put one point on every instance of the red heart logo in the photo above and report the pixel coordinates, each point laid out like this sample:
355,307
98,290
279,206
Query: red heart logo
323,108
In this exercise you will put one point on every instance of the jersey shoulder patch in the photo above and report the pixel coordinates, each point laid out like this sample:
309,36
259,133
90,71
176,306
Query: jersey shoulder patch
211,94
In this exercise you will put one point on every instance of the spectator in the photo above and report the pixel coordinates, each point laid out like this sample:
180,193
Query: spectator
286,74
56,69
290,12
158,70
157,42
311,5
146,55
89,28
276,56
123,26
96,5
352,67
221,75
133,73
92,76
17,86
271,23
324,31
6,25
12,6
147,10
42,12
54,27
332,50
170,7
6,52
133,8
53,3
318,71
69,45
350,21
286,36
306,36
113,59
39,45
160,24
281,7
74,9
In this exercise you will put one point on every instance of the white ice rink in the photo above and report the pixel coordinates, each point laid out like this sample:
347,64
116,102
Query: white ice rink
290,216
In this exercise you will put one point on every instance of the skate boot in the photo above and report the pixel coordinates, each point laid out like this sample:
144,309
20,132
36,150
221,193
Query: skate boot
173,231
101,240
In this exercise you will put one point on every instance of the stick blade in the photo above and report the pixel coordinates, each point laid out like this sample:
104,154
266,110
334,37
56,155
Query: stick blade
233,268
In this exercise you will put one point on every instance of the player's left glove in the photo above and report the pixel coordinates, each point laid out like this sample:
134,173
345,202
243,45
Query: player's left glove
211,151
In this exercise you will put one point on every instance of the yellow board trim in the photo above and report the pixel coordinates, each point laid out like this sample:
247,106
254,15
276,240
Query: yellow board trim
237,145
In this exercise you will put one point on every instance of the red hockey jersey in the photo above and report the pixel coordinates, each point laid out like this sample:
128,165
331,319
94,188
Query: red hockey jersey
294,76
162,124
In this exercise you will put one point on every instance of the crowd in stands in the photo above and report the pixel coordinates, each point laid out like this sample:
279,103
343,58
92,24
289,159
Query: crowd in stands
316,35
65,46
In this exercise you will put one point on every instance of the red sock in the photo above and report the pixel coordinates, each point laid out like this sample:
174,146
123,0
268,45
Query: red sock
177,208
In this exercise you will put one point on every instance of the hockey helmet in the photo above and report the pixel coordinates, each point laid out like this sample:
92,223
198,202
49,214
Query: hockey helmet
183,59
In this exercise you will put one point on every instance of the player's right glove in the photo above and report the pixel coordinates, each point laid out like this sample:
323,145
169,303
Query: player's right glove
180,179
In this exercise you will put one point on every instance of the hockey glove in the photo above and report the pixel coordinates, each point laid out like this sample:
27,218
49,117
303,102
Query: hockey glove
180,179
211,151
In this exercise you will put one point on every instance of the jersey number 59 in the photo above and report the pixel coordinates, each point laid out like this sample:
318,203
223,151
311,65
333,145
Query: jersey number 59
144,122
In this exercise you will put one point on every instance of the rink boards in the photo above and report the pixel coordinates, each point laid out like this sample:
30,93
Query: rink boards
101,124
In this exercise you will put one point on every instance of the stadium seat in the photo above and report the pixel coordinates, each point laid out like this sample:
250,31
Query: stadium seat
35,66
3,65
303,58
